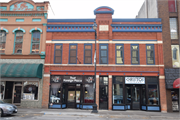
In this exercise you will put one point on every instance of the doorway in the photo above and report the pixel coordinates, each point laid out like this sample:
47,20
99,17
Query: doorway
17,93
135,97
103,93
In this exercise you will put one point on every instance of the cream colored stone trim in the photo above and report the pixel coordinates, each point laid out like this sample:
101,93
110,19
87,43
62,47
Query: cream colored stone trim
46,75
161,77
110,76
97,76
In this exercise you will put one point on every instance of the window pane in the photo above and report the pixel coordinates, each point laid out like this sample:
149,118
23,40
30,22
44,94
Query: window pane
150,54
57,59
2,47
30,91
134,47
73,47
72,52
72,59
36,36
149,47
58,53
104,53
18,48
19,36
2,90
89,93
119,53
119,47
103,47
103,60
87,46
58,46
35,48
87,59
172,5
119,60
174,53
55,93
153,97
88,53
2,36
173,28
150,61
134,53
135,60
117,93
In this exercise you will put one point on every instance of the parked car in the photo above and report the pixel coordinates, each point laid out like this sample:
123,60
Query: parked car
7,109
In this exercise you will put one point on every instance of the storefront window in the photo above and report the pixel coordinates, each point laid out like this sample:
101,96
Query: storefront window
143,95
89,93
153,97
2,90
55,93
117,90
175,100
30,91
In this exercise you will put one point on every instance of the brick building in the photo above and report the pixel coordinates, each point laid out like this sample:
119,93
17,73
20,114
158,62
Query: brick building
169,12
130,66
22,49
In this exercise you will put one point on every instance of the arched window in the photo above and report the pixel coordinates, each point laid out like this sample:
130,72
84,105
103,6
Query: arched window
18,41
35,42
2,41
175,53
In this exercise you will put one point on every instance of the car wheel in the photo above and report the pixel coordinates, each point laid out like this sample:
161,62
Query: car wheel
2,114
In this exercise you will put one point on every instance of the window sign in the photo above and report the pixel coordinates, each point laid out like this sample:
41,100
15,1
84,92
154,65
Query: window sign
134,80
72,79
89,79
55,79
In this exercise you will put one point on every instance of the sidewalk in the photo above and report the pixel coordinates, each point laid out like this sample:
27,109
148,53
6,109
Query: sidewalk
113,114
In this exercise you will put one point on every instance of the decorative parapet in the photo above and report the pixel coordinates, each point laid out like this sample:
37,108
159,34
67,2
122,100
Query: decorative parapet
70,28
136,28
24,15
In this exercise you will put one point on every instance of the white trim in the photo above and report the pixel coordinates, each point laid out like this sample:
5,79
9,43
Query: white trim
97,76
46,75
161,77
110,76
103,65
123,42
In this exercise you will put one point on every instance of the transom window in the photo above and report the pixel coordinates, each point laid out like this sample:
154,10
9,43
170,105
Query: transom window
103,54
73,54
18,41
173,28
119,54
87,54
35,42
135,54
58,54
2,41
150,54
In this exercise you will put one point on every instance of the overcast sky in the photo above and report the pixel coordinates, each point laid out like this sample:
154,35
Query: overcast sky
75,9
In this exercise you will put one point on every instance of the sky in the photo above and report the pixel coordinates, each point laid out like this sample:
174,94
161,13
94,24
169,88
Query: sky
84,9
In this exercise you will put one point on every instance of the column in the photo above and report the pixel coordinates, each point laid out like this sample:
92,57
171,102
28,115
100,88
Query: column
110,93
162,88
97,91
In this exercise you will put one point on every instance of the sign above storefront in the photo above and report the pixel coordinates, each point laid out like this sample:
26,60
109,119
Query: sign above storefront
103,28
134,80
171,75
72,79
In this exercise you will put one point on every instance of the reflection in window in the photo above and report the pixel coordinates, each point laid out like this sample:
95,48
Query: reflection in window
89,93
143,95
55,93
175,100
58,54
18,41
173,28
128,95
117,93
87,54
153,97
73,54
103,80
135,54
30,91
150,54
2,90
2,41
119,54
175,53
35,41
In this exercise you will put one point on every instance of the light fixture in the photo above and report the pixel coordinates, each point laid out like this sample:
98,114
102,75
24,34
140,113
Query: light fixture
94,25
86,92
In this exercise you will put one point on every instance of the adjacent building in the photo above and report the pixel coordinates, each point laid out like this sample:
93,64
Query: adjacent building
169,12
129,63
22,51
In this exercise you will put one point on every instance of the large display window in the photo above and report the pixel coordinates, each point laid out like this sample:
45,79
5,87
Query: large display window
118,90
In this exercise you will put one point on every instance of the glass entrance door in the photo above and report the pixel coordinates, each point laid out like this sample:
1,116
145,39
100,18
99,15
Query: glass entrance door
71,96
103,97
17,94
135,98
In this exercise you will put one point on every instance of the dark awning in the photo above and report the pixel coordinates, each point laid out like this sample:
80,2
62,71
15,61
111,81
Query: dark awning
21,70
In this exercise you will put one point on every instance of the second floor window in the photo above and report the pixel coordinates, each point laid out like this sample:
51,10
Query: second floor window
35,42
172,5
135,54
87,54
18,41
58,54
73,54
119,54
150,54
103,54
175,53
173,28
2,41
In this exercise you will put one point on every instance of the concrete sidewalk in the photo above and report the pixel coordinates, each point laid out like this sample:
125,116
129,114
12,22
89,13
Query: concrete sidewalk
112,114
